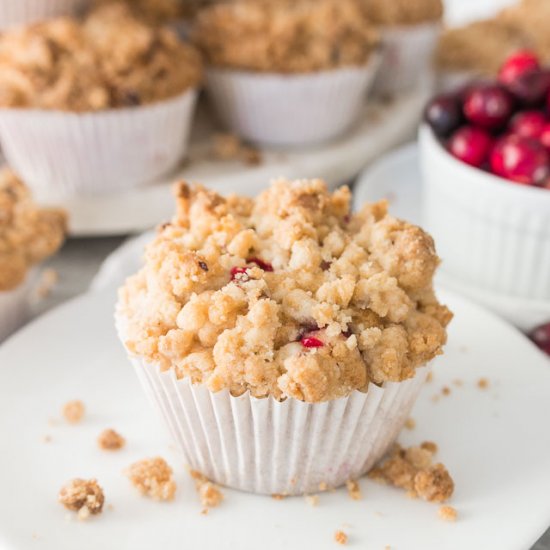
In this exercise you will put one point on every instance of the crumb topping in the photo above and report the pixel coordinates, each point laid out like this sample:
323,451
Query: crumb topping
153,478
230,147
28,234
483,383
312,500
289,36
108,60
298,299
412,469
354,489
340,537
73,411
82,496
109,440
447,513
209,493
403,12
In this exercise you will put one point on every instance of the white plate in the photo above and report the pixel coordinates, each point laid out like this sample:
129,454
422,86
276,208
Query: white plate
495,443
382,127
396,177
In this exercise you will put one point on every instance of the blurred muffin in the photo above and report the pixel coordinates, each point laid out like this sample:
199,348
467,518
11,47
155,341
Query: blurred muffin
403,12
154,12
14,13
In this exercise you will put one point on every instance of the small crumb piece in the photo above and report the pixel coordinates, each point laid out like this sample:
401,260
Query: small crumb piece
312,500
430,377
445,390
82,496
323,486
434,484
354,490
109,440
429,446
410,424
73,411
483,383
204,511
209,493
276,496
230,147
340,537
153,477
48,280
447,513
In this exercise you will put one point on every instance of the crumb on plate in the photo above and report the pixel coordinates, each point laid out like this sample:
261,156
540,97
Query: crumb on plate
110,440
354,490
83,496
312,500
153,478
209,493
483,383
447,513
445,390
73,411
429,446
340,537
410,424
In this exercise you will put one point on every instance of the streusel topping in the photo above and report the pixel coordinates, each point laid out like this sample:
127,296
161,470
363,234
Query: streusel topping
286,36
154,12
28,234
110,59
83,496
286,295
403,12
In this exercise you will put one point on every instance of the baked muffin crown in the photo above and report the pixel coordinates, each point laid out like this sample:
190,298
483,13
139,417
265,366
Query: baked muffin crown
403,12
286,295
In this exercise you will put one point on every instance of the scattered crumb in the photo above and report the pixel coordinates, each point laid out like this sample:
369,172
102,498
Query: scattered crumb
152,477
109,440
410,424
204,511
209,493
110,507
445,390
230,147
458,383
82,496
48,279
354,490
46,439
430,377
276,496
447,513
340,537
312,500
429,446
323,486
73,411
483,383
412,470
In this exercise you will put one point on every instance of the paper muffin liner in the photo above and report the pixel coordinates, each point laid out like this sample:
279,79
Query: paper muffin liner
290,109
61,154
271,447
23,12
407,57
15,306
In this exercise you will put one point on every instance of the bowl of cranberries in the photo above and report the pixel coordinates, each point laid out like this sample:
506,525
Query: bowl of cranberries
485,157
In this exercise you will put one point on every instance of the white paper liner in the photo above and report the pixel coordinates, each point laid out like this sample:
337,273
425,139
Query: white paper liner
60,154
283,110
23,12
15,306
270,447
407,57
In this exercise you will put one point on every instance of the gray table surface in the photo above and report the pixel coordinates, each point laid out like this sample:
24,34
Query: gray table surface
76,266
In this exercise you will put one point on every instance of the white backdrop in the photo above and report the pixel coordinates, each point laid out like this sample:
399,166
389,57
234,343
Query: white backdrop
460,11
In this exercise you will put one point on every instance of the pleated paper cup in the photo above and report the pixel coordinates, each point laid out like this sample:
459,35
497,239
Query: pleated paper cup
14,13
407,57
15,306
290,109
271,447
60,154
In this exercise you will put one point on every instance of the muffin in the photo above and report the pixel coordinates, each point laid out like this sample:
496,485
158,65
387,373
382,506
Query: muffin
409,30
96,105
287,72
154,12
28,235
14,13
283,339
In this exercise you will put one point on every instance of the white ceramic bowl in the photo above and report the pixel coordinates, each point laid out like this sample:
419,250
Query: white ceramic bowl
23,12
490,233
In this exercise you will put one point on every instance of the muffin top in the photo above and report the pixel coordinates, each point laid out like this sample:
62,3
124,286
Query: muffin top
28,234
287,295
288,36
154,12
480,47
108,60
403,12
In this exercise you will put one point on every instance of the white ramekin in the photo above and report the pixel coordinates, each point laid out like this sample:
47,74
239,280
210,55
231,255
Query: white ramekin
61,154
15,305
490,233
23,12
290,109
407,57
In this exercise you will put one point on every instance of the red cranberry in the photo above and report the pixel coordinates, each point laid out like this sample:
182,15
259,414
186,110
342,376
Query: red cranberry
531,88
443,114
520,159
311,342
528,124
541,337
517,64
260,263
488,105
240,273
544,137
471,145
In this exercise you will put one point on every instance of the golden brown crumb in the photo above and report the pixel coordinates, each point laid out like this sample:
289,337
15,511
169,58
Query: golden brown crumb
410,424
447,513
109,440
354,490
445,390
276,496
483,383
209,493
73,411
429,446
434,484
312,500
204,511
230,147
402,12
430,377
323,486
153,478
82,496
48,280
340,537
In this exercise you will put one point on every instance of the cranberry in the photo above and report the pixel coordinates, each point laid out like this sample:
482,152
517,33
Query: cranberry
531,88
544,137
260,263
520,159
311,342
240,273
488,105
471,145
517,64
541,337
528,124
443,114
